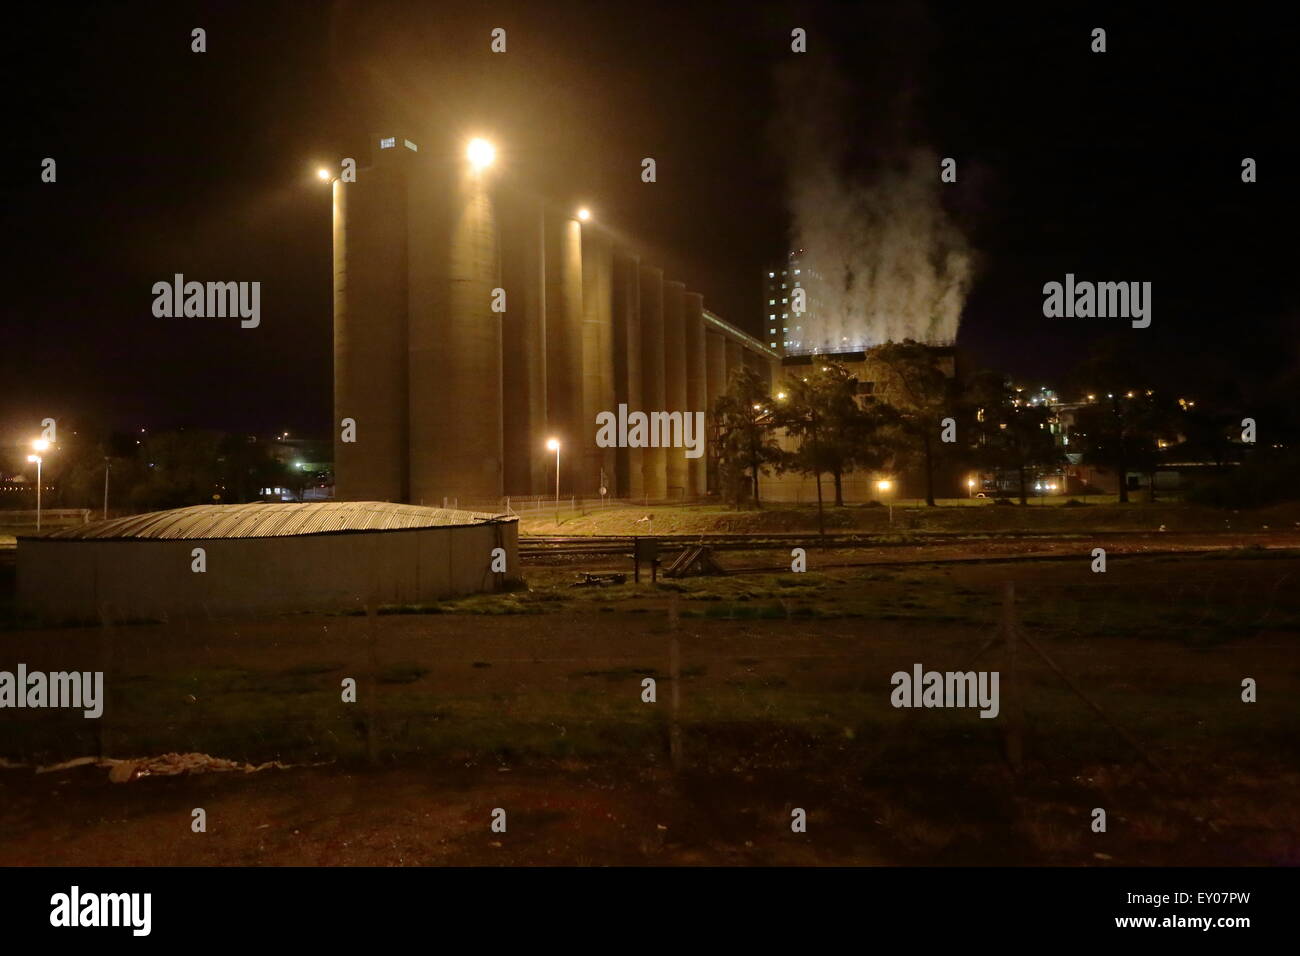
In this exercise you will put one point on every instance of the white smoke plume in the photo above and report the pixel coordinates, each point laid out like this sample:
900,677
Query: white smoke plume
887,262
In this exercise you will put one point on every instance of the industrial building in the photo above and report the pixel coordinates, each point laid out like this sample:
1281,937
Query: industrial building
263,557
787,329
475,322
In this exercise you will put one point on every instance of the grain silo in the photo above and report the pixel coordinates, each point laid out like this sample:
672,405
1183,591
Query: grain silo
696,383
370,330
654,468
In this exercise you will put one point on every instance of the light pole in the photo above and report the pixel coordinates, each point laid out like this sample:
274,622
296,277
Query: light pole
107,464
884,485
39,445
970,486
553,444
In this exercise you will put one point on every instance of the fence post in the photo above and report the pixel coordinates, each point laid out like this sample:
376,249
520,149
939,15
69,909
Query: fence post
372,638
1015,699
106,664
675,679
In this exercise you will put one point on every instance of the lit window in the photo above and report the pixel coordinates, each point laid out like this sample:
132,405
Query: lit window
772,316
771,301
784,301
772,331
796,271
782,285
773,345
771,275
388,143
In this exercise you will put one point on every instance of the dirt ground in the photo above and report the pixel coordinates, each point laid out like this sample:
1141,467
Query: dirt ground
533,704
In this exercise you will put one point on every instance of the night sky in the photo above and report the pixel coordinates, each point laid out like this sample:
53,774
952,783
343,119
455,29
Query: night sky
1117,166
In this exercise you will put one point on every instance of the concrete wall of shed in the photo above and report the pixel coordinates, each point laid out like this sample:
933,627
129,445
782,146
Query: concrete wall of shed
62,580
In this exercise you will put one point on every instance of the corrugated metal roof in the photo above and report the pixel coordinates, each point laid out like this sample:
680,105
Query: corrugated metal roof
273,519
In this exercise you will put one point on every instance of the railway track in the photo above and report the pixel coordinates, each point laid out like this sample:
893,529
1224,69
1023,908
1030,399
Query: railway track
546,545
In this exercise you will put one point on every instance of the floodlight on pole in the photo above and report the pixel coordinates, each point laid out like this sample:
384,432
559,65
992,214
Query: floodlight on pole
40,445
584,213
324,174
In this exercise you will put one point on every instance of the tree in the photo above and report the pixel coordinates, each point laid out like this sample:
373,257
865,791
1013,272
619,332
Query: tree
182,468
1121,429
1209,422
923,397
745,445
1010,434
837,430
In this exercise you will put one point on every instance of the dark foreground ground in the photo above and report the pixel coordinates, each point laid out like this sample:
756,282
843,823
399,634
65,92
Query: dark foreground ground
531,702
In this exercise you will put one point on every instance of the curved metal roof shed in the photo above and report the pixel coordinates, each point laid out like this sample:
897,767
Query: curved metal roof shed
264,557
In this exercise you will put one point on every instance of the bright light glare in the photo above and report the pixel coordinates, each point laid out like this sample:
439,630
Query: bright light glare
40,444
584,213
324,174
552,444
970,482
481,153
33,458
884,484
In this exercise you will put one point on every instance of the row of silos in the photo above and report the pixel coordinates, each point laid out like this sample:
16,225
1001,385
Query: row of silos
474,322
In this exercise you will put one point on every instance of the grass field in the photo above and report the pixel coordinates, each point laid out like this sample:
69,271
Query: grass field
958,515
532,700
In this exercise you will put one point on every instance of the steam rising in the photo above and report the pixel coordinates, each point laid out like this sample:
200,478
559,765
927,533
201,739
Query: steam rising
887,262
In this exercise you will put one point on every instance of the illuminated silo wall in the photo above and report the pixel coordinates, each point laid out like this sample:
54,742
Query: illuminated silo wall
715,367
715,356
654,468
455,337
696,383
735,358
626,290
370,330
597,359
675,381
523,346
564,342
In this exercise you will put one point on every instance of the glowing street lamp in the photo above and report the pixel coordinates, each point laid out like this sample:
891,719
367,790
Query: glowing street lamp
40,445
885,486
553,444
481,153
970,485
584,213
324,174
